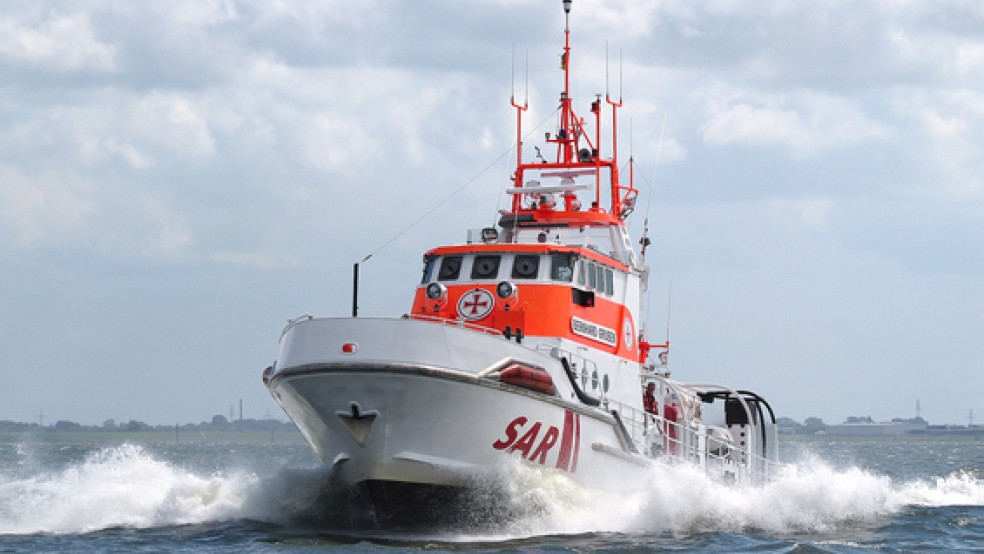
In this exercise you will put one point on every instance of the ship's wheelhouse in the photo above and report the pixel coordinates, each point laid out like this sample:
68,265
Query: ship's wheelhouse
551,267
542,290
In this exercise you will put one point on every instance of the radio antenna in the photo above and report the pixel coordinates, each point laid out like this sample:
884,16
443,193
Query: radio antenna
669,299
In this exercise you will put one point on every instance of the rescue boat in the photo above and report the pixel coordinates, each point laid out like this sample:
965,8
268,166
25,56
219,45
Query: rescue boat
524,344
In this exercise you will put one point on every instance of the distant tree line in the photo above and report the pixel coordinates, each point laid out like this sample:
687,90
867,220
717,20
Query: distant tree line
812,425
218,423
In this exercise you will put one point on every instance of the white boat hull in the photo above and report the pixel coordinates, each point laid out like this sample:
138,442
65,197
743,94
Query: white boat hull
413,404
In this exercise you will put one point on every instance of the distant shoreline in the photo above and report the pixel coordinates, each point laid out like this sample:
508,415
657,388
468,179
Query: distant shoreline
53,436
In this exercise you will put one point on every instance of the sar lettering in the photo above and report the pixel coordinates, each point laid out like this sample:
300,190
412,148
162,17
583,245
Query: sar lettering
511,431
529,445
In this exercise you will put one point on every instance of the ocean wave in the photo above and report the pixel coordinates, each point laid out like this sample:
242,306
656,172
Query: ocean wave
126,486
807,497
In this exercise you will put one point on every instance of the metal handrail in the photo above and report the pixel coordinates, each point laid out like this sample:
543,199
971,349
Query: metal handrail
455,323
558,352
680,440
414,317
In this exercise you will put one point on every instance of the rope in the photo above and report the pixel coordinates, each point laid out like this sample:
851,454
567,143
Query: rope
455,192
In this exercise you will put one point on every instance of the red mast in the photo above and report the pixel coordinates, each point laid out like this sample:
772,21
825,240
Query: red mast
577,155
519,126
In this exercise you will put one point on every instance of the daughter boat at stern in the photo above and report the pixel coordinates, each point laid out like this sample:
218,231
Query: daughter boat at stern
522,344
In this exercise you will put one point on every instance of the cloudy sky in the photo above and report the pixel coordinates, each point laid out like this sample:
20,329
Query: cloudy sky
179,178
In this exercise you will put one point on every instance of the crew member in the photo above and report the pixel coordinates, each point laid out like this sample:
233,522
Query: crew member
649,399
670,416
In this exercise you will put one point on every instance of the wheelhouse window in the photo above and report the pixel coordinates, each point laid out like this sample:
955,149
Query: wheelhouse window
428,269
450,268
485,267
594,276
525,267
562,267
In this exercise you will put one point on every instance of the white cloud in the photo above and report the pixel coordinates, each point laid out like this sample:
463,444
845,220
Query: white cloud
138,225
38,211
806,124
333,141
130,154
772,234
969,58
201,13
814,212
169,235
173,121
98,128
338,118
940,126
950,135
262,260
60,43
625,19
963,100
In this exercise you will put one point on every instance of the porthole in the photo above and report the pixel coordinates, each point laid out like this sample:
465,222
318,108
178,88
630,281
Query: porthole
485,267
450,268
525,267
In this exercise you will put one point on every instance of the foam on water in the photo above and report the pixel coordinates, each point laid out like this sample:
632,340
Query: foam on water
806,497
128,487
810,496
118,487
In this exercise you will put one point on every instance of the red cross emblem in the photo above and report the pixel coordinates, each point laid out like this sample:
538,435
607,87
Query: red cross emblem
475,304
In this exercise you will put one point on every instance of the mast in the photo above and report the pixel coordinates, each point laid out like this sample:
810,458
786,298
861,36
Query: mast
578,153
566,132
571,128
615,106
520,110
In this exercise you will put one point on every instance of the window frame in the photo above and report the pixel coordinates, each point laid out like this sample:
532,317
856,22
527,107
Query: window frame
428,271
536,266
567,260
494,274
441,274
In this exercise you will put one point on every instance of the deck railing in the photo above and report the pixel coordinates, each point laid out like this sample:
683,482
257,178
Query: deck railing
707,446
455,323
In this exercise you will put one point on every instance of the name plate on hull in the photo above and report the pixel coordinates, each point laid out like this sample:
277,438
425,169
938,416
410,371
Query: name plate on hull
594,331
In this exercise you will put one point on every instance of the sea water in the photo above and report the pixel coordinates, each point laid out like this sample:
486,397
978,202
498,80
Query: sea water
851,494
